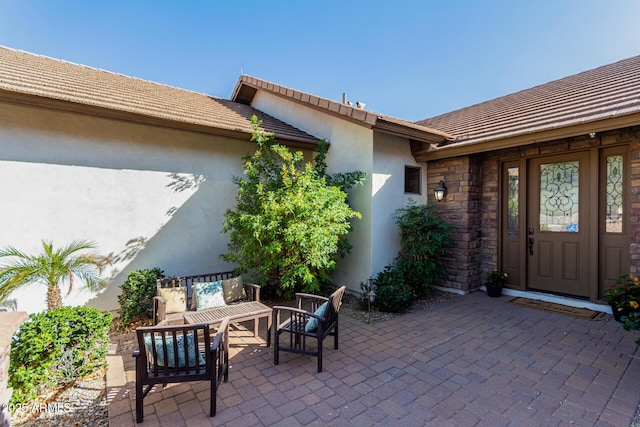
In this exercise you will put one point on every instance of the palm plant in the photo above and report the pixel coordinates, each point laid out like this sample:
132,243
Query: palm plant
52,267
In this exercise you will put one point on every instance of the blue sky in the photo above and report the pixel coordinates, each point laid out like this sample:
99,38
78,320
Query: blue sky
411,59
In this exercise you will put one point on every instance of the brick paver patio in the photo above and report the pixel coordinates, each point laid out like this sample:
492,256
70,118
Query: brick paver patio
471,361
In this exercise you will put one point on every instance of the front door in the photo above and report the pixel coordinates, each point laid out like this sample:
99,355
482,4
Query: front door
557,224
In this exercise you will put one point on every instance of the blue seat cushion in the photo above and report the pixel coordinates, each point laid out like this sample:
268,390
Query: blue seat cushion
208,295
312,324
192,351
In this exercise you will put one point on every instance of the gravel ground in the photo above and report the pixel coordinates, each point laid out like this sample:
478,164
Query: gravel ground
82,404
636,419
351,307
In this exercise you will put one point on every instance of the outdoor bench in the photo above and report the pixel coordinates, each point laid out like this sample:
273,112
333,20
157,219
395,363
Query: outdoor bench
175,302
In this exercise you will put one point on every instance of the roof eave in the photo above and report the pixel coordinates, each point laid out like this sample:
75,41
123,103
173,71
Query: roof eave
429,136
248,86
102,112
475,146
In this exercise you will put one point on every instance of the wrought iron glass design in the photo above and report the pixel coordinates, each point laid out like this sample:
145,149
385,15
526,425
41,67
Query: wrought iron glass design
559,190
512,199
613,214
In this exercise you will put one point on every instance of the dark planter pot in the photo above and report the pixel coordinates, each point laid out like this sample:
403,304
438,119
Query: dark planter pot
618,312
494,291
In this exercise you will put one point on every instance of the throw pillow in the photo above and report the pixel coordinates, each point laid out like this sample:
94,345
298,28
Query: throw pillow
312,324
176,299
208,295
192,351
233,290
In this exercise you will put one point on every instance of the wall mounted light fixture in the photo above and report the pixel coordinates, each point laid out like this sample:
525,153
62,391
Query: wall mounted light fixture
440,191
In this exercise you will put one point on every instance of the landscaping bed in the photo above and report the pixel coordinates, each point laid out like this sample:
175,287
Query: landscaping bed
83,403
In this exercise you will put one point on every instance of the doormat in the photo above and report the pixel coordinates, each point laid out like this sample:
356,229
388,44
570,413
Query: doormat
580,313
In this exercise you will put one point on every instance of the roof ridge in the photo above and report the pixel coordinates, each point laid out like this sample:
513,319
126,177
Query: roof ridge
608,91
113,73
533,88
352,112
39,80
355,107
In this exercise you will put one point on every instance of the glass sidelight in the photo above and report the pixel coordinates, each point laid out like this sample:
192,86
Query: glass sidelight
513,194
614,190
511,259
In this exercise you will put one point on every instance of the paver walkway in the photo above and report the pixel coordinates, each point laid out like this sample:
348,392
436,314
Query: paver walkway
470,361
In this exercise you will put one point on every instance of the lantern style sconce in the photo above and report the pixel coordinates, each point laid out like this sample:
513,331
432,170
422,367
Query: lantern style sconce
440,191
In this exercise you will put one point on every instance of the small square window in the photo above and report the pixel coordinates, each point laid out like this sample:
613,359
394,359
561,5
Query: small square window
412,180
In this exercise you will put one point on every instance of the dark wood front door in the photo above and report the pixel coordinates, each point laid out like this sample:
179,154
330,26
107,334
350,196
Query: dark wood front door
565,221
557,233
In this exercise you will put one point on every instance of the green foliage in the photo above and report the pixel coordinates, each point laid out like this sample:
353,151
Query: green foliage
52,267
344,180
624,291
496,277
56,346
631,322
288,224
624,296
137,292
393,294
423,238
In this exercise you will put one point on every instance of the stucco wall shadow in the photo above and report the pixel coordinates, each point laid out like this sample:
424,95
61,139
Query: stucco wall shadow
191,242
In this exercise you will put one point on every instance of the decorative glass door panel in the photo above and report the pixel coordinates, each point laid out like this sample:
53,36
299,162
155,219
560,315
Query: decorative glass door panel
559,196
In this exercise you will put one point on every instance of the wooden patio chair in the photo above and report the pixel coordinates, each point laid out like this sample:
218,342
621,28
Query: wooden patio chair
320,321
175,354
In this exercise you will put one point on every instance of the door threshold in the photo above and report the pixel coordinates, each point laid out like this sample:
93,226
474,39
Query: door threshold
541,296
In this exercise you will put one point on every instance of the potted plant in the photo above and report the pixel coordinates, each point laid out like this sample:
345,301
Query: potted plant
623,296
494,283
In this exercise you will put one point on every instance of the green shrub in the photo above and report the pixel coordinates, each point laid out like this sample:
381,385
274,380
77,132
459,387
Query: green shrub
54,347
393,294
137,292
423,238
631,322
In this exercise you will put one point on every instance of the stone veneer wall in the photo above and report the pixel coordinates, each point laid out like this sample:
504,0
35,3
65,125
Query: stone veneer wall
490,217
463,209
472,202
634,247
9,323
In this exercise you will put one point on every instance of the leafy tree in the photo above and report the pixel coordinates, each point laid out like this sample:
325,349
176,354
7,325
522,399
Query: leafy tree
52,267
289,223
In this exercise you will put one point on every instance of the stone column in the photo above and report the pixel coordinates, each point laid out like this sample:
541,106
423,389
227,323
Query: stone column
461,208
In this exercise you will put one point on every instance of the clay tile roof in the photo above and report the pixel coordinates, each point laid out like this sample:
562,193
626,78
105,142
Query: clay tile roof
24,74
247,87
602,93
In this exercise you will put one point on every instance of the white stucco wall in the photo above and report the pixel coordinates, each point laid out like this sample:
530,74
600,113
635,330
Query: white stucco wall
351,150
391,155
148,196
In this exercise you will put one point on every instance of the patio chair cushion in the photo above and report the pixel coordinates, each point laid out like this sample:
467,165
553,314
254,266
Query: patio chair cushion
192,351
208,295
233,290
312,324
175,298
